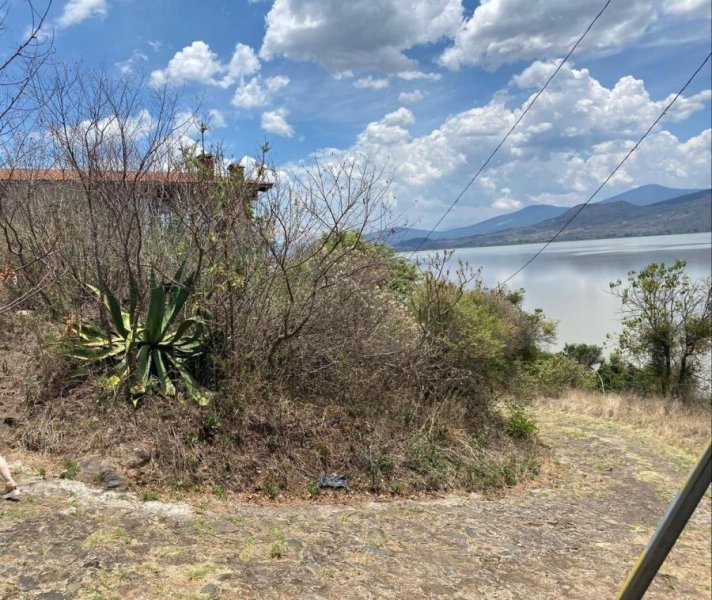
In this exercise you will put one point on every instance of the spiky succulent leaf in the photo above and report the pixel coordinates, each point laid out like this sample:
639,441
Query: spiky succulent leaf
121,369
92,337
88,331
118,318
177,297
154,346
183,328
167,387
95,354
178,277
189,349
156,311
194,390
143,372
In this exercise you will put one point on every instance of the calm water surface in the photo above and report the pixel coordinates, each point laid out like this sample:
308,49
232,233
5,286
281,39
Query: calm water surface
569,280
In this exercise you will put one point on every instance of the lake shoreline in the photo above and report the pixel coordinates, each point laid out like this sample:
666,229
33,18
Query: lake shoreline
570,280
558,241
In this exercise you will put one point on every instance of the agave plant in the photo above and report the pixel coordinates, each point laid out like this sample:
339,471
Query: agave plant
157,348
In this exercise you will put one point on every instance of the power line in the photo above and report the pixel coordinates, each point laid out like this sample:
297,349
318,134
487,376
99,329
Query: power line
607,179
519,120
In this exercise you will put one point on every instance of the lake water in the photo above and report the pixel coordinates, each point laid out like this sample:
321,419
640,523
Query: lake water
569,280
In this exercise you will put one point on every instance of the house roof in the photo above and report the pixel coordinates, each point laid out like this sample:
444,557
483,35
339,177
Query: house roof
69,175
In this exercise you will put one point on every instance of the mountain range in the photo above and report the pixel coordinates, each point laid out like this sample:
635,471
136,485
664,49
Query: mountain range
646,210
649,194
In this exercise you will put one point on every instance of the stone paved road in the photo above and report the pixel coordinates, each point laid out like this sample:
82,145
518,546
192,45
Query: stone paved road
573,536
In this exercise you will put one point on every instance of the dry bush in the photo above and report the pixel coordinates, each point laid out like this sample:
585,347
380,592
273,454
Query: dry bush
106,136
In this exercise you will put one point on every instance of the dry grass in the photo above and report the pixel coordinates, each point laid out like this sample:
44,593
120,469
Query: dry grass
259,436
671,421
278,451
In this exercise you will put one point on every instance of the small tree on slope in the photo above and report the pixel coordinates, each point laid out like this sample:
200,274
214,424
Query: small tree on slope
667,324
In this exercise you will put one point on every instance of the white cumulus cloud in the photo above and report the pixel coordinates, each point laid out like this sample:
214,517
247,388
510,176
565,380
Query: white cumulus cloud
505,203
410,97
507,31
197,62
244,62
275,121
76,11
364,34
257,92
216,119
413,75
127,66
563,149
698,8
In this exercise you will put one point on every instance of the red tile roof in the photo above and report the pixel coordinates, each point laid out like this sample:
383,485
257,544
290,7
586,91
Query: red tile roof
67,175
73,175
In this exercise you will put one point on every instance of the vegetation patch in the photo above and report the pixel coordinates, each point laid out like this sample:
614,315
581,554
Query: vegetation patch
518,425
205,328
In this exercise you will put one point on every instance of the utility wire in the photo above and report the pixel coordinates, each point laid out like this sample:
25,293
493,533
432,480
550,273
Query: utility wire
607,179
519,120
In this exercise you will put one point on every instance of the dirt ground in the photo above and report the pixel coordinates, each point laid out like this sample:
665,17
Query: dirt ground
571,534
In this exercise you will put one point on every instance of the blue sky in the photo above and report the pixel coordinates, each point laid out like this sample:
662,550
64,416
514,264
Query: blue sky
425,87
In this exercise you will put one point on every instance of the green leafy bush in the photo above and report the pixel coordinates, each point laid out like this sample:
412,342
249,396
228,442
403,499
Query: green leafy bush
70,469
586,354
271,490
553,374
619,375
152,349
483,336
518,425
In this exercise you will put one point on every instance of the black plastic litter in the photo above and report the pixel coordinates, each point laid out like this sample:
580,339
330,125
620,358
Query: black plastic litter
335,482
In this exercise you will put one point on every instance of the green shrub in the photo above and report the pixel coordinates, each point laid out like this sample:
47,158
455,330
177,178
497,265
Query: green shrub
212,424
219,491
70,469
495,475
667,325
586,354
553,374
278,549
424,456
313,489
518,425
619,375
271,489
482,335
402,273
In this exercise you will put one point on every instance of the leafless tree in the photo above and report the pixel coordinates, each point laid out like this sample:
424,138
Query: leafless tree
310,228
99,170
20,64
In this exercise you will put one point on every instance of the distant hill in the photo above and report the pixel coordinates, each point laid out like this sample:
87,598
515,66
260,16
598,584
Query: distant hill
648,194
397,235
529,215
687,213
